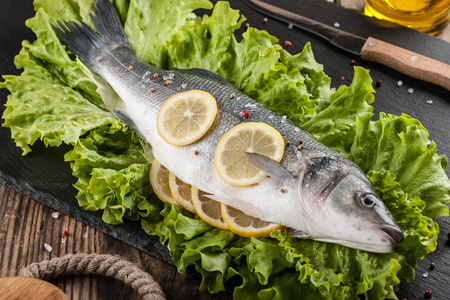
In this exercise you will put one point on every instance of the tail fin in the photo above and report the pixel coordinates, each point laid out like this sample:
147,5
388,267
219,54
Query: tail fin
87,44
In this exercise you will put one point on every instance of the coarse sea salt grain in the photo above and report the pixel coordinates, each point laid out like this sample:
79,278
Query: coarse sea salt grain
399,83
55,215
85,235
290,25
430,101
169,76
146,76
48,247
425,274
337,25
410,90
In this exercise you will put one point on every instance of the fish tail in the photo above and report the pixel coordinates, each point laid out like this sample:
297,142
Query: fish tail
87,44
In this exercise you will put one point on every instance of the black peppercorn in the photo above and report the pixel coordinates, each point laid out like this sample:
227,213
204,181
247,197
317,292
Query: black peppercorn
378,83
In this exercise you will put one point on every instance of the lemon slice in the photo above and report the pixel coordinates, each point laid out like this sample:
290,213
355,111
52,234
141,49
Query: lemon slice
181,192
186,117
245,225
159,178
230,160
207,209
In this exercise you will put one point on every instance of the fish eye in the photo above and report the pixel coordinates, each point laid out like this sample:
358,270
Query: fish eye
368,200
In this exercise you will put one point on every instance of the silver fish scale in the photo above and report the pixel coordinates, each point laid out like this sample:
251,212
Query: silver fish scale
326,201
138,79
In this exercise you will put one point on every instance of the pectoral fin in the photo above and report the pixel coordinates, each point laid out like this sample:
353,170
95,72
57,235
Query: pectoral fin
246,207
269,166
298,233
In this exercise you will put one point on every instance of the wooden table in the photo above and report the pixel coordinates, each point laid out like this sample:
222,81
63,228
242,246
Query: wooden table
25,225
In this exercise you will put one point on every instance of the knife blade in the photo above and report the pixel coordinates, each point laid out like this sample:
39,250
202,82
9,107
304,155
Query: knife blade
371,49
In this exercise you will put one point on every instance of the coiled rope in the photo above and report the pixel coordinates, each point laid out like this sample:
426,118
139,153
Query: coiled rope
97,264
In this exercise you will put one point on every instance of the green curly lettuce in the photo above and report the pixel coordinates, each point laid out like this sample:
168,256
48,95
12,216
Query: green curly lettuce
58,100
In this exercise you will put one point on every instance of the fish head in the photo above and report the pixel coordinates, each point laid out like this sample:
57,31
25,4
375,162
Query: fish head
342,206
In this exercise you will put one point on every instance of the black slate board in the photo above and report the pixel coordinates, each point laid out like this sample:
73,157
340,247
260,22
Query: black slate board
44,176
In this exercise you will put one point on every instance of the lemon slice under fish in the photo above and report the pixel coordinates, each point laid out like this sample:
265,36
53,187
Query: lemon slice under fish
181,192
245,225
159,178
186,117
230,160
207,209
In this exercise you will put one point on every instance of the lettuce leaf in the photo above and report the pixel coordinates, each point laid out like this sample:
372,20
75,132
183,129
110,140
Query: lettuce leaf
58,100
400,144
113,174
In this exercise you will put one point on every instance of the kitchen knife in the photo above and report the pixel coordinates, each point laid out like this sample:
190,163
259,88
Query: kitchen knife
370,49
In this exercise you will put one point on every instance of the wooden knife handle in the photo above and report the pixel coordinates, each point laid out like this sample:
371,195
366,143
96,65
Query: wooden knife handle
407,62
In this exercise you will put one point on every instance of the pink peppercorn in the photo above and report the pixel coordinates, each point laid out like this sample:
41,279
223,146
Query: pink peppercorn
287,43
65,233
428,293
245,113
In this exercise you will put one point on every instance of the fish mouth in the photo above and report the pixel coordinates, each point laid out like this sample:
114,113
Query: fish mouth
394,233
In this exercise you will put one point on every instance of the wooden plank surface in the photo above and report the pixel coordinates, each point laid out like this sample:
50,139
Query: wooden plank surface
26,225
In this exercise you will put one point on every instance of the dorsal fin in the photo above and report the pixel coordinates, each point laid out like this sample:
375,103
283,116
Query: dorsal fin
206,74
124,118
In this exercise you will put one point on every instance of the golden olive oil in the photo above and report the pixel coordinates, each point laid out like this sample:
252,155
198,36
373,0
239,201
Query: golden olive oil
430,16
